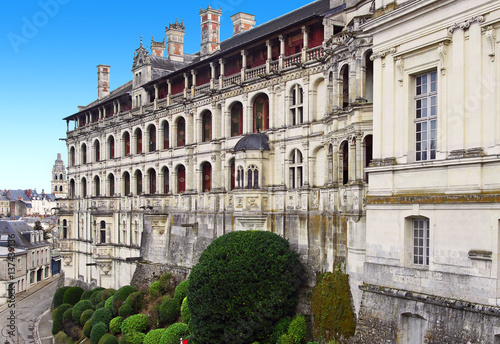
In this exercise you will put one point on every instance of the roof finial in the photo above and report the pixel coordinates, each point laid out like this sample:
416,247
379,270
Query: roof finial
141,41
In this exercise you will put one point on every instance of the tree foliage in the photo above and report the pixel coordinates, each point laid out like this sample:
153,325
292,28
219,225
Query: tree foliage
243,283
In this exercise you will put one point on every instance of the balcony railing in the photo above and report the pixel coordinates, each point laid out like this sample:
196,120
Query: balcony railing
315,53
290,61
231,80
254,73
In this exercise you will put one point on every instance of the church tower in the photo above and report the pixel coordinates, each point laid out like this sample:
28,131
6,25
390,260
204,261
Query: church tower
59,185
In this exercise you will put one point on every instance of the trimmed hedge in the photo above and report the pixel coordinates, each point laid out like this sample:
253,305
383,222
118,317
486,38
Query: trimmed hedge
153,336
167,283
87,328
181,291
58,317
63,338
133,337
58,298
132,305
243,277
185,314
155,289
109,304
107,293
67,315
98,330
169,311
103,315
72,295
109,340
174,333
86,294
79,308
125,310
137,322
121,295
86,315
115,325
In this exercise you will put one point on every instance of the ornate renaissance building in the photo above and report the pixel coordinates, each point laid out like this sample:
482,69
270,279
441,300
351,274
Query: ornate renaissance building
59,182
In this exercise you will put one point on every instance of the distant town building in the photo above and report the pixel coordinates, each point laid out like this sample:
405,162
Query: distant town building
26,203
59,184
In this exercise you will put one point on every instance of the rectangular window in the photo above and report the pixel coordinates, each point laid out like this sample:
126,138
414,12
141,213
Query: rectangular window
425,116
421,242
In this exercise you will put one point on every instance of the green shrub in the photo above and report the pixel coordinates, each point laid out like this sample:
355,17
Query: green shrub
58,317
87,328
107,293
133,337
109,340
95,297
243,283
169,311
58,298
279,329
63,338
154,289
132,305
115,325
125,310
100,305
153,336
109,304
121,295
101,315
86,315
72,295
137,322
79,308
167,284
297,329
181,291
86,294
174,333
98,330
103,338
331,307
185,315
67,315
285,339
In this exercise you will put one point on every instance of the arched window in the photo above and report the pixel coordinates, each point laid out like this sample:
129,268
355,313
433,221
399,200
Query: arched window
60,188
72,156
166,135
84,153
55,188
152,138
55,177
206,126
138,182
103,232
368,143
296,105
166,181
126,143
181,179
65,229
206,177
241,178
61,176
261,113
152,181
344,73
84,187
111,181
368,77
111,147
345,162
295,169
97,150
97,186
232,184
237,119
252,177
181,132
138,141
72,188
126,183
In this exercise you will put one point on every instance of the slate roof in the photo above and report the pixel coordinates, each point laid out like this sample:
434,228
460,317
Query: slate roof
18,228
257,141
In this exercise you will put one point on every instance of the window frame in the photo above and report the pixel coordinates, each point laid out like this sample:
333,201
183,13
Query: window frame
425,100
296,105
420,241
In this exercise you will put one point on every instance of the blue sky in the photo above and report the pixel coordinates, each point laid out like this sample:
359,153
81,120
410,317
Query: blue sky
49,50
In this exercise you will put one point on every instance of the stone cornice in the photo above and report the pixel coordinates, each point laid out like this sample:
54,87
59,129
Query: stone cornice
434,199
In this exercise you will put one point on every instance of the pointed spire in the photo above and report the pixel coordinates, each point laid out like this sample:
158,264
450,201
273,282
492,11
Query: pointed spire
141,41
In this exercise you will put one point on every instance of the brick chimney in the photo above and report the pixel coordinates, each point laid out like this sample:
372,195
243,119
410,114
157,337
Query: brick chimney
102,81
242,22
175,41
210,30
157,48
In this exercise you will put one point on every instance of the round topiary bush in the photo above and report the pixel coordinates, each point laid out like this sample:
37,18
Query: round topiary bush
137,322
87,328
57,300
181,291
115,325
79,308
86,294
153,336
86,315
121,295
174,333
58,317
98,330
244,277
72,295
103,315
132,305
185,315
169,311
125,310
133,337
109,340
107,293
167,284
95,298
154,289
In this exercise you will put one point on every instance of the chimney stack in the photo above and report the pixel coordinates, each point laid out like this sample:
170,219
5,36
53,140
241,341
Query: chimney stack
102,81
242,22
175,41
157,48
210,30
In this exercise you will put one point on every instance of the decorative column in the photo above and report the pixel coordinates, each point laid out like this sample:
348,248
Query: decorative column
156,97
282,51
221,76
186,84
352,158
305,37
269,56
359,157
193,86
169,91
243,64
212,75
335,161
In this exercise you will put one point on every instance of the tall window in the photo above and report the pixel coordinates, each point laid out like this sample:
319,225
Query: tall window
261,113
166,181
103,232
166,134
207,126
138,182
111,147
296,106
84,153
138,141
425,116
421,242
126,184
207,177
345,86
152,181
181,179
84,187
72,156
65,229
72,188
240,177
152,138
233,172
181,132
126,143
345,162
236,119
295,169
97,150
252,177
97,186
111,180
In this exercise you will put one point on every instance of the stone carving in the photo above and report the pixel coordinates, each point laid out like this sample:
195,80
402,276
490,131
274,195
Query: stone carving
400,69
382,54
490,34
442,51
465,24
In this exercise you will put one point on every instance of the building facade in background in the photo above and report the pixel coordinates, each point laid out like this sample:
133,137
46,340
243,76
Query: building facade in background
59,181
